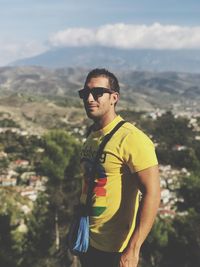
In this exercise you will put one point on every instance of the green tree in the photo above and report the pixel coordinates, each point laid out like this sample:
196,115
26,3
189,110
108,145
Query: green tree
49,222
184,244
171,131
157,242
176,242
8,123
190,193
39,237
4,162
11,238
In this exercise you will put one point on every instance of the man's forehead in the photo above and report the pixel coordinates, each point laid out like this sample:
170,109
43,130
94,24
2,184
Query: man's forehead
99,81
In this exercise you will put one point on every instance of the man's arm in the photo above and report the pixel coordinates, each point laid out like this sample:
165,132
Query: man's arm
149,185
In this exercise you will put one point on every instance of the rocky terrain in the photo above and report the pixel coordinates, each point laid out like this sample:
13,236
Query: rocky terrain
47,98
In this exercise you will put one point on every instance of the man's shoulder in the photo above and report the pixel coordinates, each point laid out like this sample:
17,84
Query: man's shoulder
131,134
130,129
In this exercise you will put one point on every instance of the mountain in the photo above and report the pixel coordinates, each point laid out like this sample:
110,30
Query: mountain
39,98
116,59
139,89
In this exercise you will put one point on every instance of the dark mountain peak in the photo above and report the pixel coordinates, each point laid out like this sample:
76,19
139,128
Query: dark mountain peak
115,58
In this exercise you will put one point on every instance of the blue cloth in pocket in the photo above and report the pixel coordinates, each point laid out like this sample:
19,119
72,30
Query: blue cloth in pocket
79,235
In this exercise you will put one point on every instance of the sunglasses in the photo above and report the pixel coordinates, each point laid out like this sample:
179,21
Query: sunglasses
95,91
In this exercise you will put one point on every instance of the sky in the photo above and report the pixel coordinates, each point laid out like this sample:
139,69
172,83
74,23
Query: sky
31,27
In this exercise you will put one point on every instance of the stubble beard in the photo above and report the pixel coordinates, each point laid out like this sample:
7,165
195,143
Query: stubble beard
95,116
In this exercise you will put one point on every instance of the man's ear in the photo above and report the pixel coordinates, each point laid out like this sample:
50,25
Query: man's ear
115,98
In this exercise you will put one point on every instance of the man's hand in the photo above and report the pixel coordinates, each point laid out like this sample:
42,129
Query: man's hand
129,258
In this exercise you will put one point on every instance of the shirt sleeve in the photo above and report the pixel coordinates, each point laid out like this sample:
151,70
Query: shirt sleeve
138,151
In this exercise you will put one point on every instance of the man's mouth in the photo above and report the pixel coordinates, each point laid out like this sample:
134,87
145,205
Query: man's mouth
91,106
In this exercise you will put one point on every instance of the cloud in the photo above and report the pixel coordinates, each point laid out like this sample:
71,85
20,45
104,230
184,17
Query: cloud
125,36
13,50
130,36
73,37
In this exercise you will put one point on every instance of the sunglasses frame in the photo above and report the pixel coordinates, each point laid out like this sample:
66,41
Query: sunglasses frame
84,93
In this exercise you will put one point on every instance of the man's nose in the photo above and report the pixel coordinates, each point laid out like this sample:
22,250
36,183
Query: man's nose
90,98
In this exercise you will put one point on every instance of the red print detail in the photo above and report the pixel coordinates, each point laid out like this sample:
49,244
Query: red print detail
101,182
100,191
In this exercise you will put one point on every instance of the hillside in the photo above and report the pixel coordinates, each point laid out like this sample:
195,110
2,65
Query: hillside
48,97
117,59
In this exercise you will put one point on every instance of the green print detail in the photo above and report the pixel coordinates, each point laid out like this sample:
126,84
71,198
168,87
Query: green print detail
96,211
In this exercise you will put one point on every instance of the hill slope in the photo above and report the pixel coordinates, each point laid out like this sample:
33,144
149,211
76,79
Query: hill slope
152,88
114,58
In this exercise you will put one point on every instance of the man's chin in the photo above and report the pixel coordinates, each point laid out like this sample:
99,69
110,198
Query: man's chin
92,115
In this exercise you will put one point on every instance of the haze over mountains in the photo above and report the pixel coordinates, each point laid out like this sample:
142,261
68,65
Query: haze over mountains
116,59
141,89
45,96
42,91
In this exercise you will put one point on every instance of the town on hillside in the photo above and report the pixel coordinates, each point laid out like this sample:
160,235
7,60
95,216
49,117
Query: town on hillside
27,168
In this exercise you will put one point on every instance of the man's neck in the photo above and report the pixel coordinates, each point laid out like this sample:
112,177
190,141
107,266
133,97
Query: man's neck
103,122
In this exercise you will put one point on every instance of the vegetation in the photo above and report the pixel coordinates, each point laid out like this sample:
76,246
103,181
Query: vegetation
11,238
8,123
176,242
38,238
52,213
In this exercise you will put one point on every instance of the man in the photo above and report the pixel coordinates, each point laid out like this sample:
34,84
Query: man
128,165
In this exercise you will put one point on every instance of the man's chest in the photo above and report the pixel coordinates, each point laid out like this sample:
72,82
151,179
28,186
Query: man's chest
109,161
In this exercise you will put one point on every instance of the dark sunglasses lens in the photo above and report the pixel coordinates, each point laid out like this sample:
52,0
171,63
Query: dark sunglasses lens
96,92
84,93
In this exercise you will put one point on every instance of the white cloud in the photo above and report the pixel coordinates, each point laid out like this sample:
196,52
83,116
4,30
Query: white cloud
127,36
13,50
73,37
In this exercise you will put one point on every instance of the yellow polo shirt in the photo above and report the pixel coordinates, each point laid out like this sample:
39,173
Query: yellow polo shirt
115,195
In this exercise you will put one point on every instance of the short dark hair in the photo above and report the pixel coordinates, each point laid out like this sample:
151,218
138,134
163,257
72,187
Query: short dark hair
112,79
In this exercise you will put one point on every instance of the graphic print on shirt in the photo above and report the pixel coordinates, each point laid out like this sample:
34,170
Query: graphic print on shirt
99,192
